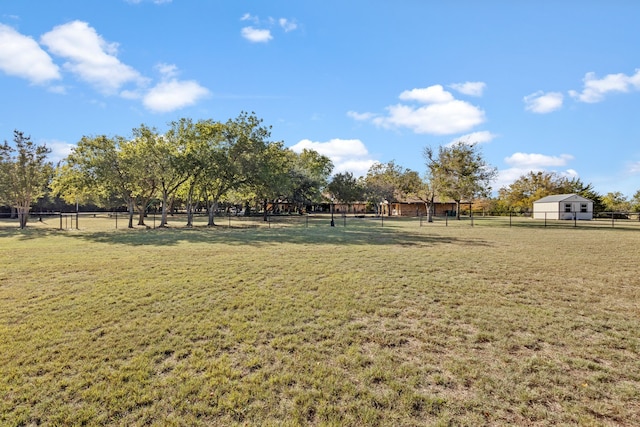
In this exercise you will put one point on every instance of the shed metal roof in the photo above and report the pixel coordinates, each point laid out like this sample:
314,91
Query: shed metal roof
562,198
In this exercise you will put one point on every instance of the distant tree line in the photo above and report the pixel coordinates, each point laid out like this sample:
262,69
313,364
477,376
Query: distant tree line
203,165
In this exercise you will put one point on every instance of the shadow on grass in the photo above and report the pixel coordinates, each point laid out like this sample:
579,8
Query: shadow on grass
27,233
260,236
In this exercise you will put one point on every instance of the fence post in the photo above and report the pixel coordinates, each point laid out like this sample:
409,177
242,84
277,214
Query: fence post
510,218
77,227
545,220
60,220
116,220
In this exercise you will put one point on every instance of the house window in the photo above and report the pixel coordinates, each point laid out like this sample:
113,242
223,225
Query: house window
567,207
583,207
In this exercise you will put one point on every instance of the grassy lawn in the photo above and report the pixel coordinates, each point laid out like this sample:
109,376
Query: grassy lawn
293,325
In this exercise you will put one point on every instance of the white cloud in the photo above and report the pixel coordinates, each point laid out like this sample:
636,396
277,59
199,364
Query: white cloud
93,60
475,138
21,56
261,32
429,95
287,25
173,94
347,155
542,103
469,88
256,35
595,89
59,149
537,161
437,119
360,116
249,17
443,114
523,163
507,176
167,70
90,57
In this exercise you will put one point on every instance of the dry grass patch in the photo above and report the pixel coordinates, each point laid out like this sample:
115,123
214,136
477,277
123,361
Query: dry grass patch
393,325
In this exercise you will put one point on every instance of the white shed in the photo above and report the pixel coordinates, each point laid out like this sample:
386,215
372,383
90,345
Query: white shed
563,206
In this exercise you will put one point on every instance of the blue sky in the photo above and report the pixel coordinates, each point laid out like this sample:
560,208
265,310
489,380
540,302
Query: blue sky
540,85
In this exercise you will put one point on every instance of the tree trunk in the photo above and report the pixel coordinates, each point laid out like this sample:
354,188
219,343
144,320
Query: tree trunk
165,206
23,215
141,211
429,207
190,208
264,208
131,209
457,209
212,207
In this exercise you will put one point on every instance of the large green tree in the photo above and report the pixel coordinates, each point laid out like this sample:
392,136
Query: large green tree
257,168
345,188
96,171
206,158
24,174
616,202
174,165
459,172
271,179
216,173
388,182
309,174
145,172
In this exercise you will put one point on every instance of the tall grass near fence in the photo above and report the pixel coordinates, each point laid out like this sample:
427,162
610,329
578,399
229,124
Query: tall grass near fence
368,324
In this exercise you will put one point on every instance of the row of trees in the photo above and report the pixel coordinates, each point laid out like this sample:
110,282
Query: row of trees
193,164
199,165
457,172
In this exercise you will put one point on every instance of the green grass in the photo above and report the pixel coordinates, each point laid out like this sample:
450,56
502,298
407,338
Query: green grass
295,325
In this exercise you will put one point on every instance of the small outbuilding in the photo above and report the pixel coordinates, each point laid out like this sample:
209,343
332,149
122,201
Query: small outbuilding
563,206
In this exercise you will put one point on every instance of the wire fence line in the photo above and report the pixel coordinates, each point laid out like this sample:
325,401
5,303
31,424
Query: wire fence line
104,221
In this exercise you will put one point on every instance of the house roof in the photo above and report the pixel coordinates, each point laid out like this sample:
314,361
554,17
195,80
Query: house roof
562,198
415,200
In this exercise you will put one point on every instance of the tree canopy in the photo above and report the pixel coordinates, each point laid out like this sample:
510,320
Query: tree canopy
217,165
209,161
24,174
459,172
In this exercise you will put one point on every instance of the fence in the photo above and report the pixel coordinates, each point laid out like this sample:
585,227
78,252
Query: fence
105,221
